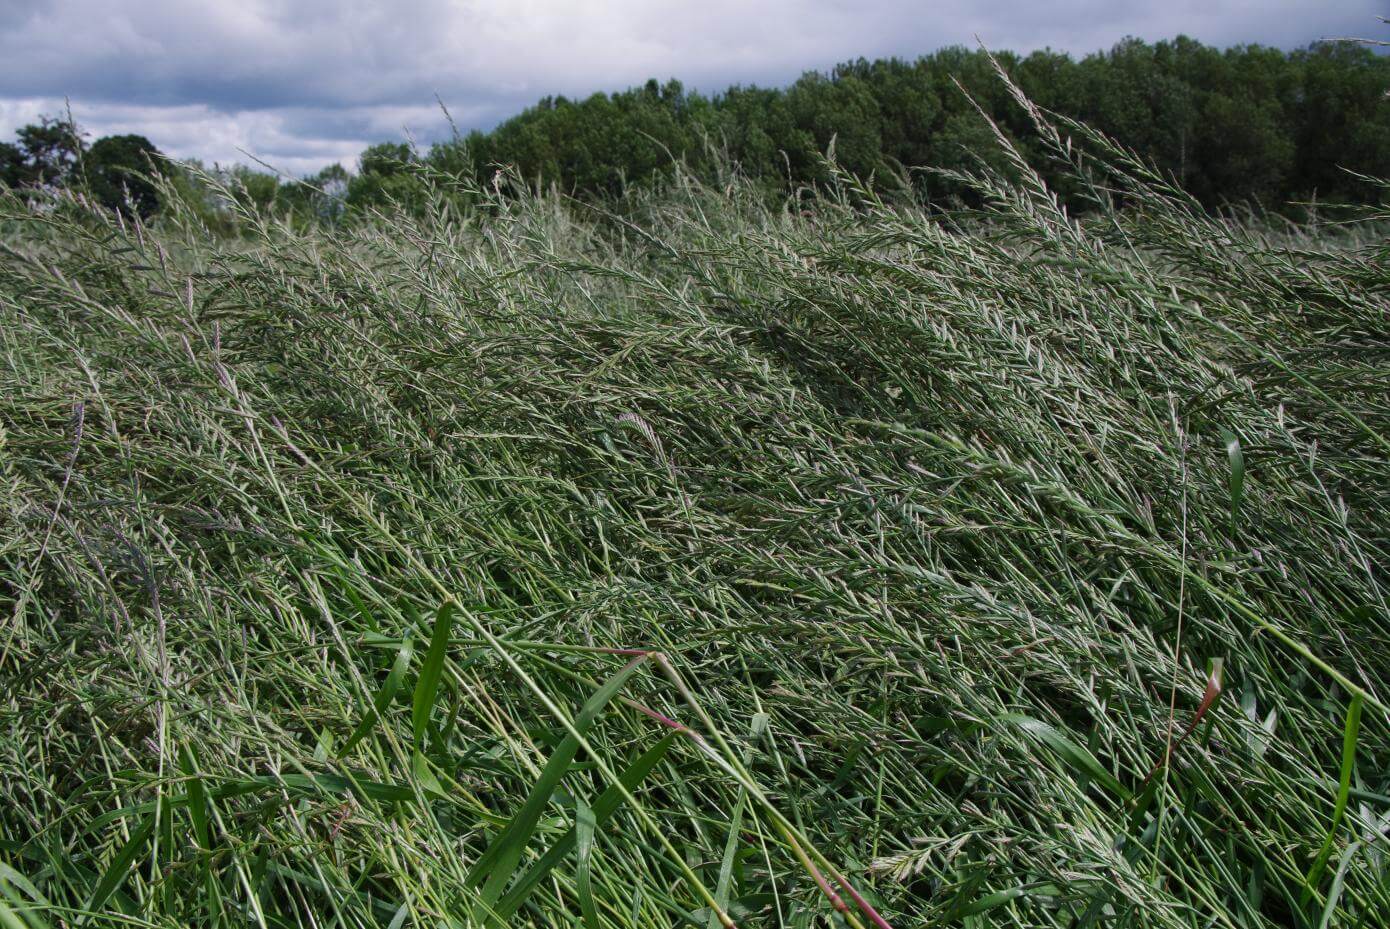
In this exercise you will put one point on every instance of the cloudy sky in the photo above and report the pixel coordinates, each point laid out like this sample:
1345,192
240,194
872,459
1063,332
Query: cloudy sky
301,83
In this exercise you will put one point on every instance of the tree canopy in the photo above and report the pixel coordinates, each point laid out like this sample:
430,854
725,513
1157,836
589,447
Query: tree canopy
45,153
1233,126
117,168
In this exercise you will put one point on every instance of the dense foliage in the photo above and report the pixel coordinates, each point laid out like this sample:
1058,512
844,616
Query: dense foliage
1243,125
695,560
119,171
127,174
1246,123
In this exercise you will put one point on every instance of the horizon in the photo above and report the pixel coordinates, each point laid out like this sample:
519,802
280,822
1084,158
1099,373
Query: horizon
301,92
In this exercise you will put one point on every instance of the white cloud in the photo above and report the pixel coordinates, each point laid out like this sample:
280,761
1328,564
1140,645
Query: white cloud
303,83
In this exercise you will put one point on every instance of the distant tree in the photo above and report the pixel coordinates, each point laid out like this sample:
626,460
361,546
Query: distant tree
386,174
1249,122
739,123
454,156
1229,125
966,144
330,188
842,109
118,170
1341,120
908,103
757,128
386,159
257,189
53,148
316,198
14,170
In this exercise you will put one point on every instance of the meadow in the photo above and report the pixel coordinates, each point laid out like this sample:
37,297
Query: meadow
697,559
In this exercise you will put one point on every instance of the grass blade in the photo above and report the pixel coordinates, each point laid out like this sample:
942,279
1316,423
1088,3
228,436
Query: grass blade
427,687
197,798
15,911
584,851
1078,758
198,810
500,859
603,808
1350,732
1235,458
384,696
722,888
120,867
1334,893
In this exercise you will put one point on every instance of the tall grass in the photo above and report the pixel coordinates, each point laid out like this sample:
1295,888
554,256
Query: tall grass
695,561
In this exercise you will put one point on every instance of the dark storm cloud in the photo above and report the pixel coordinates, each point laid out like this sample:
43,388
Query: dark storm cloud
306,82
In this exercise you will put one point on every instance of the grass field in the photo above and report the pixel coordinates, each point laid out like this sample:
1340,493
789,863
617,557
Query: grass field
694,561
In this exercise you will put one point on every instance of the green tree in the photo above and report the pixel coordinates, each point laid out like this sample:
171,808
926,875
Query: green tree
261,189
755,127
1341,121
387,174
327,192
119,169
909,105
53,149
13,168
842,109
1247,122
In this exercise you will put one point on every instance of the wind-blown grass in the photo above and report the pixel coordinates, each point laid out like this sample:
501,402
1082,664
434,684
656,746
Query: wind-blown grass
698,563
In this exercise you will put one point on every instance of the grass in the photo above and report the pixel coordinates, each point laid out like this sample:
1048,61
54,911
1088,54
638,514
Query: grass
695,561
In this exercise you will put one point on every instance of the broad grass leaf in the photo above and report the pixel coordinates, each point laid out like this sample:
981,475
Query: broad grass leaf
498,863
383,698
1076,757
584,828
427,687
603,808
120,867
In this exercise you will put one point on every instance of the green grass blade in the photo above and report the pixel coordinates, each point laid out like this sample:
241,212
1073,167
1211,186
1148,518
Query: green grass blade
10,918
1334,893
723,887
384,696
1235,458
15,911
121,866
1076,757
1001,897
198,813
603,808
500,859
196,797
1350,733
341,784
584,852
427,687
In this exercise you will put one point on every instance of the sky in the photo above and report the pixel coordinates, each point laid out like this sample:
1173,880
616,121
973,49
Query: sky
300,84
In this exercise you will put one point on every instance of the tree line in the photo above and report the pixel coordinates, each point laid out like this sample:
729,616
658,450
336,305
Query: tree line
53,153
1240,124
1233,126
129,175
